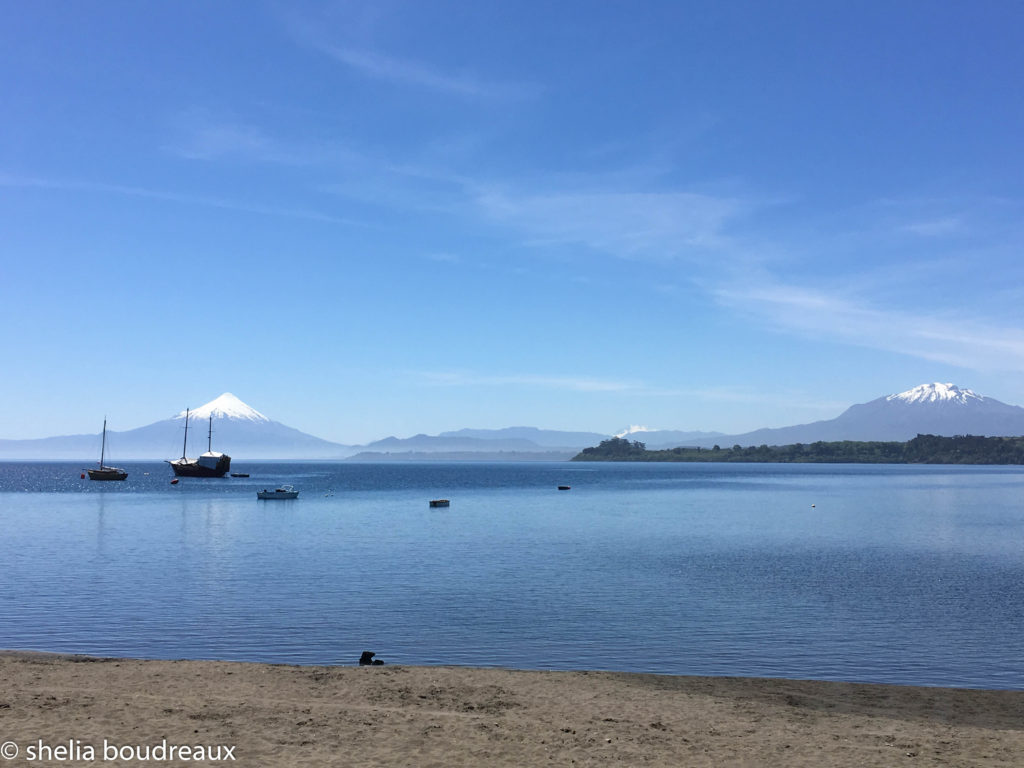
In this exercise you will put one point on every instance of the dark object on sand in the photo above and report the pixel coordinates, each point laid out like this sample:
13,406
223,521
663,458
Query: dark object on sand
367,659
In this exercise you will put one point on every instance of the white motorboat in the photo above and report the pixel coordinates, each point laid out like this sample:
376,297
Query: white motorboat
284,492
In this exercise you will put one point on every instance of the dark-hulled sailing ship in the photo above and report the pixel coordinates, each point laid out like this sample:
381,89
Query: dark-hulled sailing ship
209,464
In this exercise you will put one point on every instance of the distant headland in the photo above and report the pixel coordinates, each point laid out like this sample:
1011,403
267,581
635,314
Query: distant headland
923,449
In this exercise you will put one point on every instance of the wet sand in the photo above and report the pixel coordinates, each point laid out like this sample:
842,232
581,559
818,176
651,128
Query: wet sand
272,715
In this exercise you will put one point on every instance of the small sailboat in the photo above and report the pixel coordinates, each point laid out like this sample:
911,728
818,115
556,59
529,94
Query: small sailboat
106,473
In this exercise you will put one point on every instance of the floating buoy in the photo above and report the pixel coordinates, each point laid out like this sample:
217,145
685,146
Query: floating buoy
174,481
82,476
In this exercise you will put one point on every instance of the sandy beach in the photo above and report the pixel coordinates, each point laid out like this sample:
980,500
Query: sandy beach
56,708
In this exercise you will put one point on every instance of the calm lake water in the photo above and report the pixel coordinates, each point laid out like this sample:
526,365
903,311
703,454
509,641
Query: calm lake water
872,573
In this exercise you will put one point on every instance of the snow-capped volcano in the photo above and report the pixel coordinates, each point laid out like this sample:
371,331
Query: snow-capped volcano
632,429
227,406
937,393
237,429
928,409
667,438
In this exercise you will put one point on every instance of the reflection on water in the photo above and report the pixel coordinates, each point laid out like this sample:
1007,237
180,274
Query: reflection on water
895,574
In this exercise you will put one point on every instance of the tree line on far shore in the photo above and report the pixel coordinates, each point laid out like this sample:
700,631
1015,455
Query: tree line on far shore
923,449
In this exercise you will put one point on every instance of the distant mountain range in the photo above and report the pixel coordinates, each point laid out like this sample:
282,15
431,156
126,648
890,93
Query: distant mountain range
656,439
508,444
237,429
244,433
930,409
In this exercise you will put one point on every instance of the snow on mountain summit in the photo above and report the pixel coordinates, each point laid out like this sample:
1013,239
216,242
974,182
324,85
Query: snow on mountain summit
632,429
936,393
227,406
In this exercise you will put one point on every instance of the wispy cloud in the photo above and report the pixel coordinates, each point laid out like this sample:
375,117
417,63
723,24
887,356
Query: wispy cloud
540,381
634,391
76,185
627,224
935,227
610,213
370,62
956,218
419,74
209,140
625,212
443,258
199,134
786,400
637,214
963,342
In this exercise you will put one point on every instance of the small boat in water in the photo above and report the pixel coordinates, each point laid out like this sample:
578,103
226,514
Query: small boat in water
284,492
440,503
239,474
209,464
102,472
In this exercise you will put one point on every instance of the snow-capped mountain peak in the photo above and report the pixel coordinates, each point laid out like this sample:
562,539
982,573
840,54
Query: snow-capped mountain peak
227,406
936,393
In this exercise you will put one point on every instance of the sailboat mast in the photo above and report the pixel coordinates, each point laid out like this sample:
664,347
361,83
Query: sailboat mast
184,447
103,444
209,437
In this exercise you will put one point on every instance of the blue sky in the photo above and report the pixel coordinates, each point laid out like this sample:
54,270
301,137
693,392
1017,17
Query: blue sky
384,218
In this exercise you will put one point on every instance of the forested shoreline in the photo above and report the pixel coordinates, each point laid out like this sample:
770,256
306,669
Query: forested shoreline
923,449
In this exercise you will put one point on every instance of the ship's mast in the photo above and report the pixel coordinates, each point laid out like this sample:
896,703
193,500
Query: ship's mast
209,437
103,445
184,447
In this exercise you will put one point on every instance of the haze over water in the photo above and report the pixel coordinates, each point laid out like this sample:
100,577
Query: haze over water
875,573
